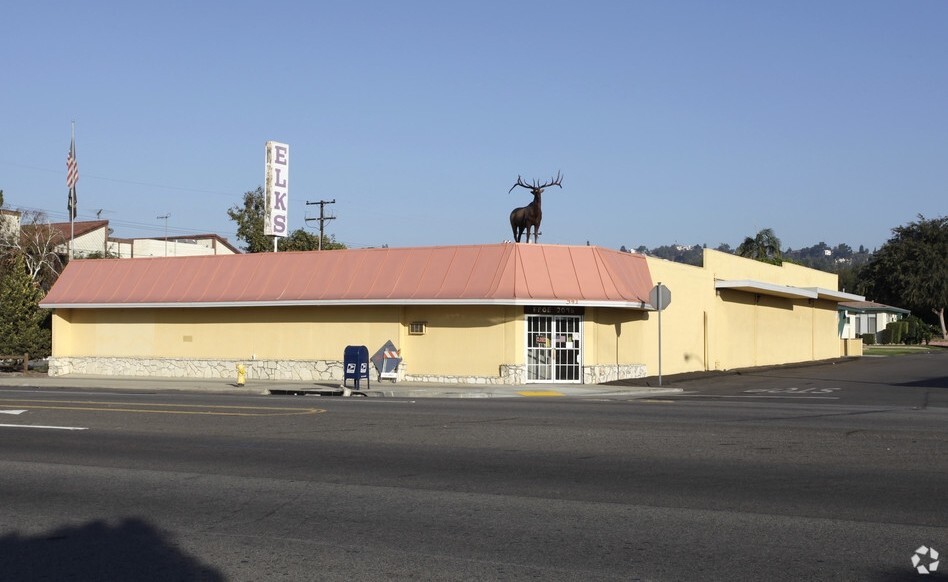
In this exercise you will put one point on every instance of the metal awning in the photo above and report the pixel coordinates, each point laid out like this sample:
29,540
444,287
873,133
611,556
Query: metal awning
785,291
837,296
762,288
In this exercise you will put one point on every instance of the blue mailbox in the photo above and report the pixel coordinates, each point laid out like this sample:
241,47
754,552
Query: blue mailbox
355,362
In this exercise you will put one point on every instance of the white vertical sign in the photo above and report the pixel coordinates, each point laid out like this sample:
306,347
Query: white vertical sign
277,191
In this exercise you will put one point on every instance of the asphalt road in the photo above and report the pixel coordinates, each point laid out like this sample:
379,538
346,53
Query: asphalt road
111,486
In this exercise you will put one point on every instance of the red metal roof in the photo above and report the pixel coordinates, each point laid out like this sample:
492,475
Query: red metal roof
65,229
508,273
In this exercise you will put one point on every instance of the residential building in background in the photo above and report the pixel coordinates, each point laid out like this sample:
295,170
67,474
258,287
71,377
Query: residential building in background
9,221
92,238
858,318
191,245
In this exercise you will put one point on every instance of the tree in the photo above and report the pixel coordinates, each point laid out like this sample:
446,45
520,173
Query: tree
300,240
911,269
843,250
250,222
848,277
764,247
249,219
36,242
99,255
22,321
686,254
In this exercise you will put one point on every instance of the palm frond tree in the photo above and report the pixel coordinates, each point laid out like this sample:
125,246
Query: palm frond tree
764,247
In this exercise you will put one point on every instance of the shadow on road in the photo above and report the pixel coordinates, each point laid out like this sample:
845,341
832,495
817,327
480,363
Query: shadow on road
131,550
941,382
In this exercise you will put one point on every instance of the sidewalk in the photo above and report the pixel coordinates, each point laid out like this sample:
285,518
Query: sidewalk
384,388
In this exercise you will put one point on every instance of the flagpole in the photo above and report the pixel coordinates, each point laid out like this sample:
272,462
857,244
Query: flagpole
72,196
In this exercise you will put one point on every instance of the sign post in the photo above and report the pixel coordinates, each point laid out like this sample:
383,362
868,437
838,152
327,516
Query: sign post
660,297
387,360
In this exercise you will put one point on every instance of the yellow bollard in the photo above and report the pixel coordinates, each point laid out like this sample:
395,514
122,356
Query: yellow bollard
241,375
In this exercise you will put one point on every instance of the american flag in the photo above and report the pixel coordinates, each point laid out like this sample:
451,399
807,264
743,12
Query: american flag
72,176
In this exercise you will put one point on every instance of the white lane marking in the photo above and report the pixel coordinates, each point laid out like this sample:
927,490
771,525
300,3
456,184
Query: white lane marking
45,427
792,390
12,411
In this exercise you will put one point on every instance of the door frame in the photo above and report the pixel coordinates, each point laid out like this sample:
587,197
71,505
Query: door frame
535,355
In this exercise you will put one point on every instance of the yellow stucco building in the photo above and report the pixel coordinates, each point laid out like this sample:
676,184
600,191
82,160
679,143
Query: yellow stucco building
490,314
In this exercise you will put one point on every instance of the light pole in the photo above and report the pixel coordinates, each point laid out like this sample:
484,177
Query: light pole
165,218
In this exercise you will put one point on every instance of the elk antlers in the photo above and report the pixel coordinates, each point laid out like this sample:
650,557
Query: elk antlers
557,181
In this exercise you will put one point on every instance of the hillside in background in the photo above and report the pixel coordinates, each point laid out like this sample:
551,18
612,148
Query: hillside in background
841,259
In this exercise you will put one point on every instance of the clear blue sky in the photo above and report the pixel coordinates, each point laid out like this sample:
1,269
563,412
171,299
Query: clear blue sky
689,122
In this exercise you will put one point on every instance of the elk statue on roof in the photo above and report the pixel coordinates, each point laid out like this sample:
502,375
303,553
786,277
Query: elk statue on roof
522,219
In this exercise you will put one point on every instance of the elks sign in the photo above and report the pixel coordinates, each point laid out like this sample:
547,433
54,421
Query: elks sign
277,192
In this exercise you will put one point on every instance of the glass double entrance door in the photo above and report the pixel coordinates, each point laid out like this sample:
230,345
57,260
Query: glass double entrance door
554,348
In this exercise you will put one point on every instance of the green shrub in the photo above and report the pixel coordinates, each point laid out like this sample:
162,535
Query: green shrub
895,329
868,339
884,336
910,335
918,332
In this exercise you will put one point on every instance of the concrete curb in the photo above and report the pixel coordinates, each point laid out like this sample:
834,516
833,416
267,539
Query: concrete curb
377,390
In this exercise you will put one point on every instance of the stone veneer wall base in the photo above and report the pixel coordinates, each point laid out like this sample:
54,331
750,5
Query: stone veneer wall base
314,370
609,373
300,370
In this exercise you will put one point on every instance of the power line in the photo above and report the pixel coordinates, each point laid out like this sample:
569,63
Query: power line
130,224
122,181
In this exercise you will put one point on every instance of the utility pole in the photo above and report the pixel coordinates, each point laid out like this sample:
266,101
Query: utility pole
165,218
322,217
